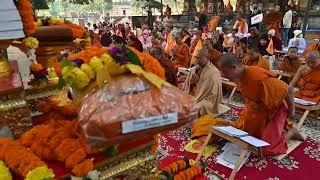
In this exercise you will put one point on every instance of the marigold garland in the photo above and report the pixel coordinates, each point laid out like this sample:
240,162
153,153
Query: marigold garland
60,140
19,159
149,63
26,13
181,170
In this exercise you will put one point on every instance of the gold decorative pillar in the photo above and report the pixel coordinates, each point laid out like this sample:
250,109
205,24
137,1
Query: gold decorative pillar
5,68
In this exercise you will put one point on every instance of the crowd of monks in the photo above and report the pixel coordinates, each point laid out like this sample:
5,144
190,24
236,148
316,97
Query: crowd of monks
210,55
269,102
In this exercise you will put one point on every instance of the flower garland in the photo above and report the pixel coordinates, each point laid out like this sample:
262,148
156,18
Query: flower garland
22,161
79,69
149,63
26,13
181,169
59,140
77,31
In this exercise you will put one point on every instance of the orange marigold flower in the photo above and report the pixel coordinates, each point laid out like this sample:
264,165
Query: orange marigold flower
36,67
83,168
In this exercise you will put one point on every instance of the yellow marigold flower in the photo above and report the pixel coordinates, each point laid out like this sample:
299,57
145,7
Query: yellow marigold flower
31,42
4,172
40,173
106,58
88,70
82,80
96,63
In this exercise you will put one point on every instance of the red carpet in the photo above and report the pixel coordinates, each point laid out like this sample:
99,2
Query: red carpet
301,163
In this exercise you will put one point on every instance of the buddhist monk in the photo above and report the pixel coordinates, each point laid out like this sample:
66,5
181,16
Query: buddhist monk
186,37
267,105
158,53
207,84
291,62
307,79
312,47
241,24
195,41
181,55
255,59
214,54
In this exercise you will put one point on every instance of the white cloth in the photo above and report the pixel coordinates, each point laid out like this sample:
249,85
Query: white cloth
301,45
287,19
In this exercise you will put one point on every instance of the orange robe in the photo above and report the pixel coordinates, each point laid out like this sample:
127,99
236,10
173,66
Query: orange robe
290,65
213,23
194,44
312,47
214,56
182,50
265,110
261,62
309,86
241,25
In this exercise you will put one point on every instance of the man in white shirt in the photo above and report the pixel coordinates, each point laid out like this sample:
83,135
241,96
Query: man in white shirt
298,40
287,22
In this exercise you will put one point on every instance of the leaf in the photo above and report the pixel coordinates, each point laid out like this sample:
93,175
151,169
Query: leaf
133,57
65,62
111,151
61,83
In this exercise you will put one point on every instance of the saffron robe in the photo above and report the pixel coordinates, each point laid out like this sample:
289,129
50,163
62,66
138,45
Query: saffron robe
289,65
184,61
214,56
242,26
265,110
309,85
260,62
169,70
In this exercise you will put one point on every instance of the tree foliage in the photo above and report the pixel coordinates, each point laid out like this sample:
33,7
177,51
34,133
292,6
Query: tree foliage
76,1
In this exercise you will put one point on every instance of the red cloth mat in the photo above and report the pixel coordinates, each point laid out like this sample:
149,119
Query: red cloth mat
301,163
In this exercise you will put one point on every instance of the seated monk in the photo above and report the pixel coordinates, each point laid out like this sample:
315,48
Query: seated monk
307,79
195,41
159,54
255,59
267,105
214,54
312,47
181,56
207,84
291,63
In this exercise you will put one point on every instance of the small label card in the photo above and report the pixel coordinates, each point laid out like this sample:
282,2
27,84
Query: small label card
149,122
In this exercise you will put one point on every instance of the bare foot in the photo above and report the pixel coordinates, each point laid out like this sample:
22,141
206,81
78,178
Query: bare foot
294,134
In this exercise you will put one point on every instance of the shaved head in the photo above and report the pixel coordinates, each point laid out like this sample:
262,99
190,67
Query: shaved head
313,59
231,67
229,60
202,57
203,52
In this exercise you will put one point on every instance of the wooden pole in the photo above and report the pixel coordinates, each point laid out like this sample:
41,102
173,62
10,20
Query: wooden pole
305,20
